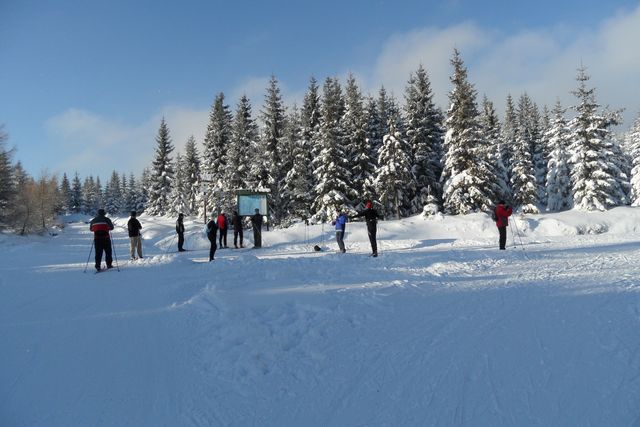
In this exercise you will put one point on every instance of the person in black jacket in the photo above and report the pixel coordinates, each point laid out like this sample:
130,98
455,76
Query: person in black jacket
236,221
101,227
134,227
256,222
371,217
212,230
180,231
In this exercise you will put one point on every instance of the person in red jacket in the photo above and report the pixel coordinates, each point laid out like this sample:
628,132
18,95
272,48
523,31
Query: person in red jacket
223,225
502,213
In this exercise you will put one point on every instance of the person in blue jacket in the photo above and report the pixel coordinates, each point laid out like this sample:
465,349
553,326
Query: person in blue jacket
341,223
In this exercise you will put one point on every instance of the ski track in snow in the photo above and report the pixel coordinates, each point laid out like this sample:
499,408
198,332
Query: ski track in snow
442,331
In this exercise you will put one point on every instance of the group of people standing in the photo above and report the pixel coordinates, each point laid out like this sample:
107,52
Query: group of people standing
221,224
101,227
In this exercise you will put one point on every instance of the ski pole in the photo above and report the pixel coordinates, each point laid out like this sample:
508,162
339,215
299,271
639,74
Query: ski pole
89,257
113,248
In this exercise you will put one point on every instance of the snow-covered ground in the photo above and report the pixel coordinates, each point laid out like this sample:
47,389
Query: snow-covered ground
441,329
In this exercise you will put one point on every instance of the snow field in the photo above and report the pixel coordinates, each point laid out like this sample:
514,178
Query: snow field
441,329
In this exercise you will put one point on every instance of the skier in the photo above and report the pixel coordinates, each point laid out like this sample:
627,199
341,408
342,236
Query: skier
212,229
223,225
101,227
256,223
134,227
371,217
501,214
341,223
180,231
236,221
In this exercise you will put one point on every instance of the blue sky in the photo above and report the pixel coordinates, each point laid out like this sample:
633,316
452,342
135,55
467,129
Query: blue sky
83,84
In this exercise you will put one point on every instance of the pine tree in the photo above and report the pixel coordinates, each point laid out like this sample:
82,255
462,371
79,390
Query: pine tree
162,174
358,148
300,179
245,138
179,202
633,143
558,173
65,195
491,134
523,173
274,123
192,177
132,196
7,189
394,174
77,203
508,133
597,180
293,205
424,135
372,129
331,166
466,177
113,194
216,143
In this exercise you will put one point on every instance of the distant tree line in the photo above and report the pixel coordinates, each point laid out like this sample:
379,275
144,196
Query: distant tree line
340,148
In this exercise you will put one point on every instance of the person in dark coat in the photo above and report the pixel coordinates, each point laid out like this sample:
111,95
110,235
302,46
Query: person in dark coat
134,227
101,227
212,230
180,231
371,218
502,213
256,223
236,221
341,224
223,226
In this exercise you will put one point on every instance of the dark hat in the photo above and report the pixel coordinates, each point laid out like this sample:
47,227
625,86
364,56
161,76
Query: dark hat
134,213
501,202
180,215
101,212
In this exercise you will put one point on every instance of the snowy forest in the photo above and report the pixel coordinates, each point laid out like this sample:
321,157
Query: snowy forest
342,147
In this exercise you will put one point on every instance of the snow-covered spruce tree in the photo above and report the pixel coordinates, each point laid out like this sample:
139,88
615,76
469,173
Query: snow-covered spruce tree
131,196
216,143
374,142
424,136
192,177
179,188
595,176
394,175
113,195
77,200
538,151
6,179
523,178
359,152
558,173
271,139
508,132
65,195
143,190
633,146
332,191
300,180
290,198
384,105
244,135
466,178
159,202
491,134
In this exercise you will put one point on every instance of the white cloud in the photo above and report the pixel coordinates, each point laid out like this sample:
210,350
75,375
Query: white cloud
96,145
541,62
